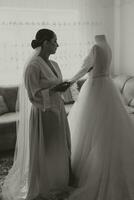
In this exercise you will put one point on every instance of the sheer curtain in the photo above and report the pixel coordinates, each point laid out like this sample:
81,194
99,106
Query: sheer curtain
75,22
18,28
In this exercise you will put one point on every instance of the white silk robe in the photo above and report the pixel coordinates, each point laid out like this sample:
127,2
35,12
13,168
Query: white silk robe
49,131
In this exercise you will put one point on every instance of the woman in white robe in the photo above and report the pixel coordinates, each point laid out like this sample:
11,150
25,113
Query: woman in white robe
47,171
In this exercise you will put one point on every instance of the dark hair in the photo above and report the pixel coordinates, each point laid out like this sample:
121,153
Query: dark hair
41,36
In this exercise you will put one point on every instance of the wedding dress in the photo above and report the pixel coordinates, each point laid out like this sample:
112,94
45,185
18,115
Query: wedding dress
102,134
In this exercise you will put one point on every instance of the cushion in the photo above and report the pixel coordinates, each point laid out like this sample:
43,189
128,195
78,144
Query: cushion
128,91
9,117
3,106
120,81
10,96
125,83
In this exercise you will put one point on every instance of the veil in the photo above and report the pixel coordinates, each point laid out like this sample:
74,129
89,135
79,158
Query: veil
15,183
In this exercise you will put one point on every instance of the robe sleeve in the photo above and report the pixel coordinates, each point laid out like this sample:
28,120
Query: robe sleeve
32,78
39,88
38,84
86,66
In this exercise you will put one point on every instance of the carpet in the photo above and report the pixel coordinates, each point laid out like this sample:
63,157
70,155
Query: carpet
6,161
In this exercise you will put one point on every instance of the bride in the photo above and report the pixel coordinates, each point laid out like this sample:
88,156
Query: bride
41,166
102,133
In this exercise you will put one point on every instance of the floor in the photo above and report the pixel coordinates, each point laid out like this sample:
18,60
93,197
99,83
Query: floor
6,161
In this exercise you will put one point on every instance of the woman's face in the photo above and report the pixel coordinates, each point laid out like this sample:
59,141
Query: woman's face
52,45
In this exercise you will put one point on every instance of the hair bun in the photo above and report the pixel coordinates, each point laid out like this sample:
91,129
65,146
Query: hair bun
35,44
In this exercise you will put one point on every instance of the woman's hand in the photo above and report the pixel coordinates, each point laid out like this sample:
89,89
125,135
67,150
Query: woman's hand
70,81
62,87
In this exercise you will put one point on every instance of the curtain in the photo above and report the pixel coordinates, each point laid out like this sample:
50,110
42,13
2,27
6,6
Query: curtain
75,24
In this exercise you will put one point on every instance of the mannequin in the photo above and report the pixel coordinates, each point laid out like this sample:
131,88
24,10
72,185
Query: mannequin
102,133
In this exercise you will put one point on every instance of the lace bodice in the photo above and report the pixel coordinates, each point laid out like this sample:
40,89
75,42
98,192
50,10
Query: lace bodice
102,60
99,58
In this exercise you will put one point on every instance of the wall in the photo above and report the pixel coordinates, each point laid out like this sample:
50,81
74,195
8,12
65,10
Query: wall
127,38
124,36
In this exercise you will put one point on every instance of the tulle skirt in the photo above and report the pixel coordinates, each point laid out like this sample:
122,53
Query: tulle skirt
102,135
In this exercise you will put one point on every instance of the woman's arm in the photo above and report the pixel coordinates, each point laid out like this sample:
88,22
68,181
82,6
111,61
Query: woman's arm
45,84
80,74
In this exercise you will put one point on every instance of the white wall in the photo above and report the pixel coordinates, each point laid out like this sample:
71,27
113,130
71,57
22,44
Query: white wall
124,36
127,38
